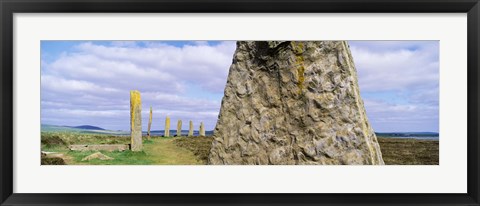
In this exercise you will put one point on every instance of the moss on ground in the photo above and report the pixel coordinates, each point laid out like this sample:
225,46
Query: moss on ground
200,146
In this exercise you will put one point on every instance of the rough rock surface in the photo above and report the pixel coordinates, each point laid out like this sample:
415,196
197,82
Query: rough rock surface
99,147
293,103
190,129
179,128
136,121
167,127
52,155
149,124
202,130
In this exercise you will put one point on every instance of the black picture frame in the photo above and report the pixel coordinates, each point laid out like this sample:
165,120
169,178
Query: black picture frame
10,7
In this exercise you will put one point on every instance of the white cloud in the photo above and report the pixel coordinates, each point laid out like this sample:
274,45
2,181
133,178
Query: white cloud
202,64
79,113
395,69
64,85
92,82
399,82
393,117
124,43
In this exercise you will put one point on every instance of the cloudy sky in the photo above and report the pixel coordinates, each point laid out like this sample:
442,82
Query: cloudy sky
88,82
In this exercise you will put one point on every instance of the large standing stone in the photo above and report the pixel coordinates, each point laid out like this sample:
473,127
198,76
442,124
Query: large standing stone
190,129
293,103
202,130
135,121
149,124
179,128
167,127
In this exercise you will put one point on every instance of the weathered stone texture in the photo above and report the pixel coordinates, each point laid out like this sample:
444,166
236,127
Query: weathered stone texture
179,128
167,127
136,121
293,103
149,124
190,129
99,147
202,130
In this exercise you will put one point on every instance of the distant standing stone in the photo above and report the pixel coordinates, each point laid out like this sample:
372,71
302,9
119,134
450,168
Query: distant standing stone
190,129
167,127
179,128
149,123
136,121
202,130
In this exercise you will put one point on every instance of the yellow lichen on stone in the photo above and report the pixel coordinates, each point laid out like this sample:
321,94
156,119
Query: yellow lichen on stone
301,72
179,128
149,123
167,127
135,121
306,110
298,49
135,101
190,129
150,118
202,130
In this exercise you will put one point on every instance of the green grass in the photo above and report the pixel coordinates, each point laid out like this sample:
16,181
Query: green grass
163,151
157,151
55,139
120,158
200,146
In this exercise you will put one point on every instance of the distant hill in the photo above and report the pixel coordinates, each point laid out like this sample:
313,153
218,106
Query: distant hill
90,127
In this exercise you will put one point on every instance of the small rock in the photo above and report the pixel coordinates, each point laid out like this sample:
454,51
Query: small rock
52,155
100,147
97,155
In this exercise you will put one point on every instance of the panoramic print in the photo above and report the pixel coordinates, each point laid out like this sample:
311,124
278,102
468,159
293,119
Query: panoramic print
239,103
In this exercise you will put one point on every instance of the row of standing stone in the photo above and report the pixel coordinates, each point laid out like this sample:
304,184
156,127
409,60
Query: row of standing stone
179,128
136,123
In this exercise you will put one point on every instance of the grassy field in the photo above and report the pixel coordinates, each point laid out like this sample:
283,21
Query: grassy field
157,151
403,151
194,150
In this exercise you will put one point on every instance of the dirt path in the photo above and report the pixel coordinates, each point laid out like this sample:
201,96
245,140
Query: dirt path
163,151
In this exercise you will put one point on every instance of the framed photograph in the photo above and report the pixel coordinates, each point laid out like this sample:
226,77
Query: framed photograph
239,102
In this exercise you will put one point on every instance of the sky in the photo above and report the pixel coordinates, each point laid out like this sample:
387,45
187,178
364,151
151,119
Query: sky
88,82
